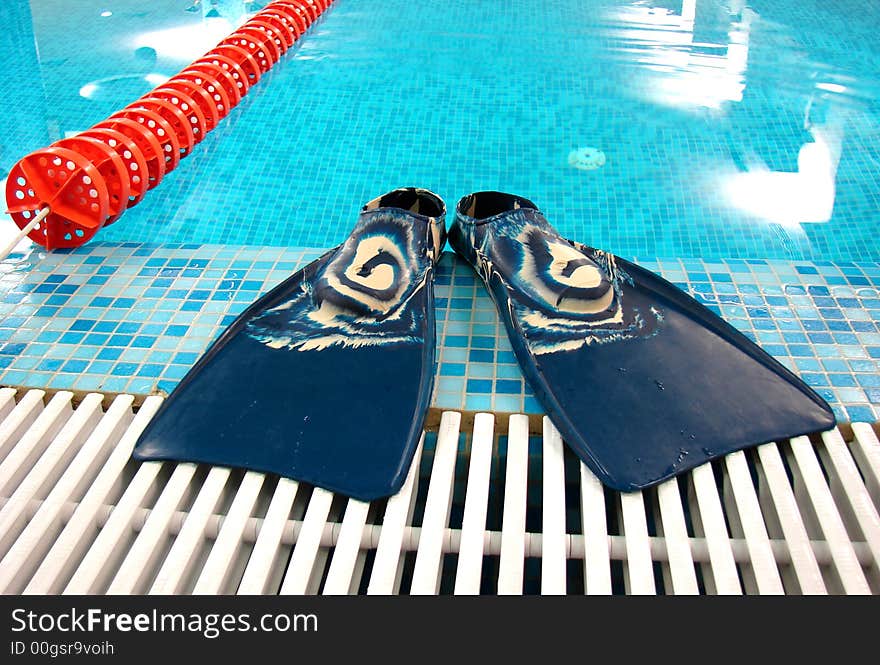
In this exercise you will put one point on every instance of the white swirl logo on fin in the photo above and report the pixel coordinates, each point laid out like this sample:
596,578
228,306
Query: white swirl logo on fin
375,276
564,295
364,295
564,281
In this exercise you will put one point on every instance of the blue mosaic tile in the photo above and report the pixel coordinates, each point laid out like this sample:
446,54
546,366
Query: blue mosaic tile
452,369
507,403
861,413
474,402
479,371
479,386
508,386
481,355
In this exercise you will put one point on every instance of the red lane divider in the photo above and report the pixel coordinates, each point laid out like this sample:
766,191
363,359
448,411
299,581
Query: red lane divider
132,157
231,71
216,82
281,25
204,105
63,194
161,130
276,42
146,142
295,11
240,56
69,185
175,118
191,111
109,165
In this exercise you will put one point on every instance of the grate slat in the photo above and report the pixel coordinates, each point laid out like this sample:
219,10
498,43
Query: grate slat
745,511
681,577
709,521
181,558
639,567
303,562
79,533
866,450
779,500
426,575
817,492
29,448
104,553
143,555
553,539
341,574
513,521
852,492
216,569
47,470
387,565
30,547
19,420
259,568
473,528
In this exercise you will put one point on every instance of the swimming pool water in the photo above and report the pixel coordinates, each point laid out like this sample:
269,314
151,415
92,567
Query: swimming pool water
730,129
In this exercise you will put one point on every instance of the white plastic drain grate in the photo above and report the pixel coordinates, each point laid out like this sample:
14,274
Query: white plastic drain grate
481,512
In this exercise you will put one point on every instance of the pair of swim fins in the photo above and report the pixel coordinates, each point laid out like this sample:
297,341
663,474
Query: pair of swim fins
327,378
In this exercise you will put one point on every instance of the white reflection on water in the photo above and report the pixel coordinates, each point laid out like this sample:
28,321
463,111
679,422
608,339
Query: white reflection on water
790,198
109,87
695,56
186,42
682,70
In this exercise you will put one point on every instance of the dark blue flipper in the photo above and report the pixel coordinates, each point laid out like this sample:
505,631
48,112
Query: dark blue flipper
327,378
641,380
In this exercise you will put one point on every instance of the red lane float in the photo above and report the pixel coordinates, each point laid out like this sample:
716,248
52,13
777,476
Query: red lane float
290,23
132,157
214,84
145,141
175,118
61,195
231,71
187,105
282,26
161,130
203,102
273,33
69,185
258,44
109,165
241,57
295,12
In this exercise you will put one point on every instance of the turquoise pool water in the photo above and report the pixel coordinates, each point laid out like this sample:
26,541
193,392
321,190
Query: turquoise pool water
729,129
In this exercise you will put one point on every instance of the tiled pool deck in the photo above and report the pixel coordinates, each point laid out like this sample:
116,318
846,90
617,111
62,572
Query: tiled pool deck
134,317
